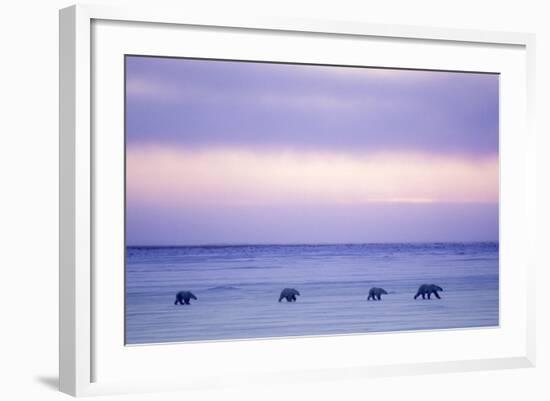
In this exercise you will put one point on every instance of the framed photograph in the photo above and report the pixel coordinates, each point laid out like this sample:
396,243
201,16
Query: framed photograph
279,200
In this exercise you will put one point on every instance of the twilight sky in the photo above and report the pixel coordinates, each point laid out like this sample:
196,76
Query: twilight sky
240,152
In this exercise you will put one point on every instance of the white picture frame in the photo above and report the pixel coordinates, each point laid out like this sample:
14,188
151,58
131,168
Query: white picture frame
82,343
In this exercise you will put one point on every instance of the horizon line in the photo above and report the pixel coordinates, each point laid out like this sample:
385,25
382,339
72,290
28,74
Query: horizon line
308,244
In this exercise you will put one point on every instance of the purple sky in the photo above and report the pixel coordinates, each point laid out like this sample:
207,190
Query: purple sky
239,152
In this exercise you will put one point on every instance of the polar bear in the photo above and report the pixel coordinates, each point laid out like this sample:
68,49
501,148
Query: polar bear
289,294
183,297
375,293
428,289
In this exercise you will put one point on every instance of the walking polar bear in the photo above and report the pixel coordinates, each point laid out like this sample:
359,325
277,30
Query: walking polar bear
428,290
183,297
289,294
375,293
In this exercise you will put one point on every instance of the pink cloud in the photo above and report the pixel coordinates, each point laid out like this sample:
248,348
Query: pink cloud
164,176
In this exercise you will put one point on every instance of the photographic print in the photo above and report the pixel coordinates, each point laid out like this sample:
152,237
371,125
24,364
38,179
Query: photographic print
269,200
